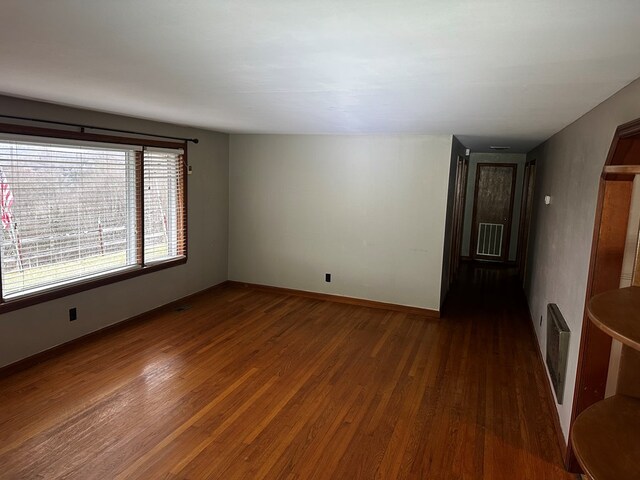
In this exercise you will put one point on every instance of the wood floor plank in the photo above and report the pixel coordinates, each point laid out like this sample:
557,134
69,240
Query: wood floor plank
246,383
189,423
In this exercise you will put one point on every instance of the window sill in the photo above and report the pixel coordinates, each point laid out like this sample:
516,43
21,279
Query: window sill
82,285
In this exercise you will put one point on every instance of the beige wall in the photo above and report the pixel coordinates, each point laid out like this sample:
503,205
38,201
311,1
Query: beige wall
518,158
30,330
370,210
568,168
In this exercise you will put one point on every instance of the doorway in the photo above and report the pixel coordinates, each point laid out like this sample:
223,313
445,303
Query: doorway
607,256
525,217
493,211
462,167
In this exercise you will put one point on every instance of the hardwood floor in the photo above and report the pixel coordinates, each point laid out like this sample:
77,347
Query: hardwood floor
252,384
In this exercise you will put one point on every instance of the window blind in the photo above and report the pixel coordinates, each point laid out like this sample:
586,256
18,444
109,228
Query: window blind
163,204
72,212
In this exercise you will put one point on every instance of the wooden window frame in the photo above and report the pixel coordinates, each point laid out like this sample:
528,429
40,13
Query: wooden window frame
133,271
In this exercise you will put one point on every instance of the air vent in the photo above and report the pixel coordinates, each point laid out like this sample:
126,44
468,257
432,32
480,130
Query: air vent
490,239
499,147
557,349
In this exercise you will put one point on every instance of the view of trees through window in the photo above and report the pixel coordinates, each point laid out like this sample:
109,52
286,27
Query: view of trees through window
70,212
161,195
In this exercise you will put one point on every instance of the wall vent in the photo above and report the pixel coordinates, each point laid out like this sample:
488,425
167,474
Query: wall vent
490,239
557,349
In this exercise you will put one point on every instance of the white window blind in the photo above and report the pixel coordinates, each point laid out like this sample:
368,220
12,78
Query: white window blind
163,204
73,212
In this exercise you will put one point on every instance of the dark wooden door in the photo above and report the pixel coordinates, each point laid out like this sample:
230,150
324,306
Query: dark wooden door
525,217
462,166
492,210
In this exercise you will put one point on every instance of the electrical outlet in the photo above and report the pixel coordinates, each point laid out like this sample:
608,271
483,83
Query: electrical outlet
327,277
73,314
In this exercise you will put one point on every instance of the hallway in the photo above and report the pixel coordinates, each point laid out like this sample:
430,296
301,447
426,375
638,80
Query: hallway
250,384
502,373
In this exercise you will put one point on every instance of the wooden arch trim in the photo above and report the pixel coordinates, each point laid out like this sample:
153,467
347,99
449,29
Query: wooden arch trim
607,251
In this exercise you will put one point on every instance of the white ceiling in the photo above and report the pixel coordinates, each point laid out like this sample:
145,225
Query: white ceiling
491,71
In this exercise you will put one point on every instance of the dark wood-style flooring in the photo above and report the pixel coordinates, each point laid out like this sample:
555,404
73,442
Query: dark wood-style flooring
252,384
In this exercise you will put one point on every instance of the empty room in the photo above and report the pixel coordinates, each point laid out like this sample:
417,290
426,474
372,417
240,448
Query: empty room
357,239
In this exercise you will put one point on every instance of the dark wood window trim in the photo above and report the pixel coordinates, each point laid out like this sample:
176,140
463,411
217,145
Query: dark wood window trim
88,137
106,278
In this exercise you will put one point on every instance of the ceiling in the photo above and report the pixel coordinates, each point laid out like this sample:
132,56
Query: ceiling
490,71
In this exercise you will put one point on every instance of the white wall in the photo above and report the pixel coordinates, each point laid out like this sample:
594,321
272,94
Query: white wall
568,168
518,158
33,329
370,210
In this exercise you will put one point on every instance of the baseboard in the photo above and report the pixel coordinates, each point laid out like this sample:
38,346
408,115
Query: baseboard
426,312
562,443
40,357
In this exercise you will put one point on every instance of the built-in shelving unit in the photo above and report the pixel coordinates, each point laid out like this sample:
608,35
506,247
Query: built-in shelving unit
618,314
606,436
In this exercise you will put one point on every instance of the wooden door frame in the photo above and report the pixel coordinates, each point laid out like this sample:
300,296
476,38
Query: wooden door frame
607,251
474,231
526,211
460,194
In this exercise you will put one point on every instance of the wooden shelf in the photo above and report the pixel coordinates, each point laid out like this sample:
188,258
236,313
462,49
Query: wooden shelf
606,436
606,439
617,312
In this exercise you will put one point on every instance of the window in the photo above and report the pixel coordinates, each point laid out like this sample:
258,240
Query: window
162,205
75,211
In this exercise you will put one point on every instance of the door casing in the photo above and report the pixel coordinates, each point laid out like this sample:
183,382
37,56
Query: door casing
507,229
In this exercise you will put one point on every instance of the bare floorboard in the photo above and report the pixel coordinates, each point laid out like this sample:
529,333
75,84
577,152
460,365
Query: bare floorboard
250,384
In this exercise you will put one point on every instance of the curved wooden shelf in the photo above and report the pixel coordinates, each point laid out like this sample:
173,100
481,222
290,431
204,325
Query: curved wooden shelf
606,439
617,313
